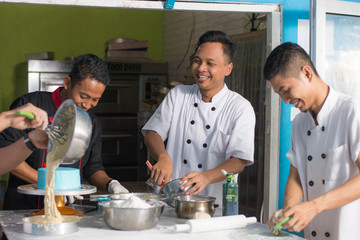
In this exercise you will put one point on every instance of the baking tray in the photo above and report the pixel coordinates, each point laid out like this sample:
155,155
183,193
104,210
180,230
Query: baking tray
68,226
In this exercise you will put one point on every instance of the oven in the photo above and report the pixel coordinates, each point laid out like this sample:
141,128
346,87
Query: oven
124,152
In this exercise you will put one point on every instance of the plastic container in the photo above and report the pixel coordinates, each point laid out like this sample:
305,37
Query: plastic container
230,196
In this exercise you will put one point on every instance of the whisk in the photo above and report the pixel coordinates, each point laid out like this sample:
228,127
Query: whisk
53,132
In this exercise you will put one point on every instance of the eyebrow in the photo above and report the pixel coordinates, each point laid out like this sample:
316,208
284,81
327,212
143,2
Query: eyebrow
207,59
87,95
278,91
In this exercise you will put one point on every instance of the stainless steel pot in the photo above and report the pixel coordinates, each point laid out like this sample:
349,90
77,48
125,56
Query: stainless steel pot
76,127
188,206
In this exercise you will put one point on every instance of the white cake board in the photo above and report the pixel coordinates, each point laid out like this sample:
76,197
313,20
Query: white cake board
32,189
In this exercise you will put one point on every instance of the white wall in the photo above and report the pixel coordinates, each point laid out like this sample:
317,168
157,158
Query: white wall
178,26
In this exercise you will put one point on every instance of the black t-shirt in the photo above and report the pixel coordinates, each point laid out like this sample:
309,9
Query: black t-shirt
90,162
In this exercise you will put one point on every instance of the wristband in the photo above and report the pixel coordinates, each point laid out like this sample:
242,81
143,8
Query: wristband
107,185
28,143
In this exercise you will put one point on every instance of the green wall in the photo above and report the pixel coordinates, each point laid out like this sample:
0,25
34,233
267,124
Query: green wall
67,31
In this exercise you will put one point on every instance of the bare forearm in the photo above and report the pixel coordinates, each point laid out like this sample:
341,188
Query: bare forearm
339,196
99,179
155,145
25,172
13,155
293,190
4,120
232,165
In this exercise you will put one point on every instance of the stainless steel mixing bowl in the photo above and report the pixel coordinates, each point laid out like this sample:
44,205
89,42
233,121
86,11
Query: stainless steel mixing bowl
75,124
186,206
131,219
142,195
173,189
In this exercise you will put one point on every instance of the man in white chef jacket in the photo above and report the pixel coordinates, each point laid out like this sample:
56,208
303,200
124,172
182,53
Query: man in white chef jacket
207,127
323,189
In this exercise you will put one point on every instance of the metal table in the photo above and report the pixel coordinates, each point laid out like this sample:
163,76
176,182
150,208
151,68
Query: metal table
92,226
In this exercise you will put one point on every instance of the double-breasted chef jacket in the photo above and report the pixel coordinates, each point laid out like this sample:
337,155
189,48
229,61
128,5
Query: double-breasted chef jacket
201,135
325,156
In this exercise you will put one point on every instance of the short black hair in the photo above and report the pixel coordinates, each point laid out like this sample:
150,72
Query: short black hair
287,58
89,66
229,45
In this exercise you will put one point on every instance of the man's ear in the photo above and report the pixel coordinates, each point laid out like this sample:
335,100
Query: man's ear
308,73
228,69
67,83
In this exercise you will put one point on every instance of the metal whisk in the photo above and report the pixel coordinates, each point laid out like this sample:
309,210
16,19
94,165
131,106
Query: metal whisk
55,133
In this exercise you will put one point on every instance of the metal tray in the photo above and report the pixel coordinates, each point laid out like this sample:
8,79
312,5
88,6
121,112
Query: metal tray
31,226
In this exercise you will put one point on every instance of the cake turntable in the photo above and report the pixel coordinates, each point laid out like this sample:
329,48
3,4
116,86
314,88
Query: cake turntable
31,189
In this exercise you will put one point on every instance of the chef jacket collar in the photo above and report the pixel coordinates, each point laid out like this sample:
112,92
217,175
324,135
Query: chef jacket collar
56,97
329,104
217,97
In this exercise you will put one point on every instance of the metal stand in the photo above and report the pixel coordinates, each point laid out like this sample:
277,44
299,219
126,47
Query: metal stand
59,197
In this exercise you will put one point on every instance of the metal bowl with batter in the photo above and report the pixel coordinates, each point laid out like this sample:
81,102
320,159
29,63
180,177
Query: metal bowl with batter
131,219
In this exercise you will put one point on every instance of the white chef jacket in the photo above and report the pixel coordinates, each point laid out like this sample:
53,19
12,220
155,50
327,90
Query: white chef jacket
325,156
201,135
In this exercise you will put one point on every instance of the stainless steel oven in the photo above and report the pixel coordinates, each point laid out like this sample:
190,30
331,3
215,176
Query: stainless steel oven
121,96
123,148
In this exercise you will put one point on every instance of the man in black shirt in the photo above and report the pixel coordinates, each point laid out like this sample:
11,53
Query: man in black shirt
84,85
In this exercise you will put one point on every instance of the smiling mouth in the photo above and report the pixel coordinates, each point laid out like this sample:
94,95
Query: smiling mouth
202,78
296,103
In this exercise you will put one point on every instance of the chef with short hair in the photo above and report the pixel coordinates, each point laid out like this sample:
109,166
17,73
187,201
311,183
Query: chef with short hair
206,126
322,192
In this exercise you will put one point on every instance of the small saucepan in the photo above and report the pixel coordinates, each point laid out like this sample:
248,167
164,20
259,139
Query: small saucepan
188,206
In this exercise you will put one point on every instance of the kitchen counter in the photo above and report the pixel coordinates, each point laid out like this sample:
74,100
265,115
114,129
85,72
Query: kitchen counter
92,226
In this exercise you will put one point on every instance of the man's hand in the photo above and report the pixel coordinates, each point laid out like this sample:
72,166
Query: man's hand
72,198
162,170
116,187
199,179
38,138
271,223
21,122
302,214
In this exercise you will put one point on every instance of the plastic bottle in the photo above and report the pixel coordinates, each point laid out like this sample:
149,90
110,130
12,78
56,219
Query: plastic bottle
230,195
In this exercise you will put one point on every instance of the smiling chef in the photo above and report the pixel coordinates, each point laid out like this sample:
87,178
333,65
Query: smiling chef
323,189
206,126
